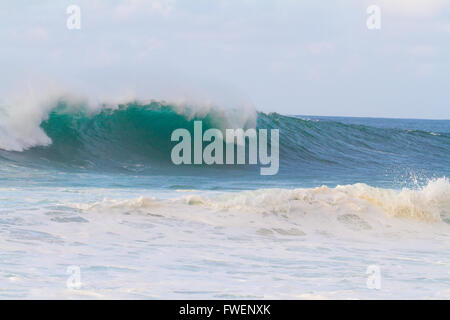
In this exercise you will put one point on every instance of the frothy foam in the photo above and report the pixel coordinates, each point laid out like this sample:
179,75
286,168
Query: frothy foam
21,116
429,203
351,203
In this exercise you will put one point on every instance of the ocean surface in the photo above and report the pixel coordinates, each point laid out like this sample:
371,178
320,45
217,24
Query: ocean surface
95,190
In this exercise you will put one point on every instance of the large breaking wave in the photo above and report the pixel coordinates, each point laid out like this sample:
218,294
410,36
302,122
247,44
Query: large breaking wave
137,134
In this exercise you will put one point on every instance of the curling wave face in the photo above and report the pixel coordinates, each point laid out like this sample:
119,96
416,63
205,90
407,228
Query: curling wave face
75,136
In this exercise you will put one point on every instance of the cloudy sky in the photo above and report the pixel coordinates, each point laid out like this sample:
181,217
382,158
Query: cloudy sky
293,57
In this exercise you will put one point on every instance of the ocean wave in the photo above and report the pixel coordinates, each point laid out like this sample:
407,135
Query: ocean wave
428,203
347,203
135,137
135,134
38,124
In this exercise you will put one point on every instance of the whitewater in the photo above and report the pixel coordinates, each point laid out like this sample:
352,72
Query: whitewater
92,186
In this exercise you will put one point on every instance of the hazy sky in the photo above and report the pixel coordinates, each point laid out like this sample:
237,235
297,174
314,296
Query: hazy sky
292,57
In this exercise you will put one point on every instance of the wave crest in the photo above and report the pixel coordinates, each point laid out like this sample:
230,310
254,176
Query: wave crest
135,136
359,205
429,203
24,125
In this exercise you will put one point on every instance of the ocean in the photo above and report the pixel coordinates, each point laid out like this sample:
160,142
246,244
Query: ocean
95,191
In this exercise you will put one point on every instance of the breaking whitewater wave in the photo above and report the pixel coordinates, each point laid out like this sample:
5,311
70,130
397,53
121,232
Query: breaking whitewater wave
78,135
74,134
430,203
97,184
22,128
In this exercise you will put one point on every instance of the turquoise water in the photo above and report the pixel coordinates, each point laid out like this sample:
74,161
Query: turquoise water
133,142
96,189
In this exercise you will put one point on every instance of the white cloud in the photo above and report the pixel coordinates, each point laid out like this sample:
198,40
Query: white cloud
423,51
413,8
320,48
164,7
148,46
444,27
131,7
37,34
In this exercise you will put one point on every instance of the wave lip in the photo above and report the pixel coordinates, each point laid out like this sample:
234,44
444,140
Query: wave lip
19,134
38,124
131,136
135,137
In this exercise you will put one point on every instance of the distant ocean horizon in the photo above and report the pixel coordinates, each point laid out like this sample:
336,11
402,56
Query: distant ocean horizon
97,189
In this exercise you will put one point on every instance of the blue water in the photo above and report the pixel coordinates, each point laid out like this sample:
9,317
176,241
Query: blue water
131,147
97,190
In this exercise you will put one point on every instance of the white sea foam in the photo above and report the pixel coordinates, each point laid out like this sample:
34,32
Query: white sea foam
357,204
21,114
309,243
429,203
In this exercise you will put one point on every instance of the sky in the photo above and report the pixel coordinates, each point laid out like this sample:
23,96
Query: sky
285,56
